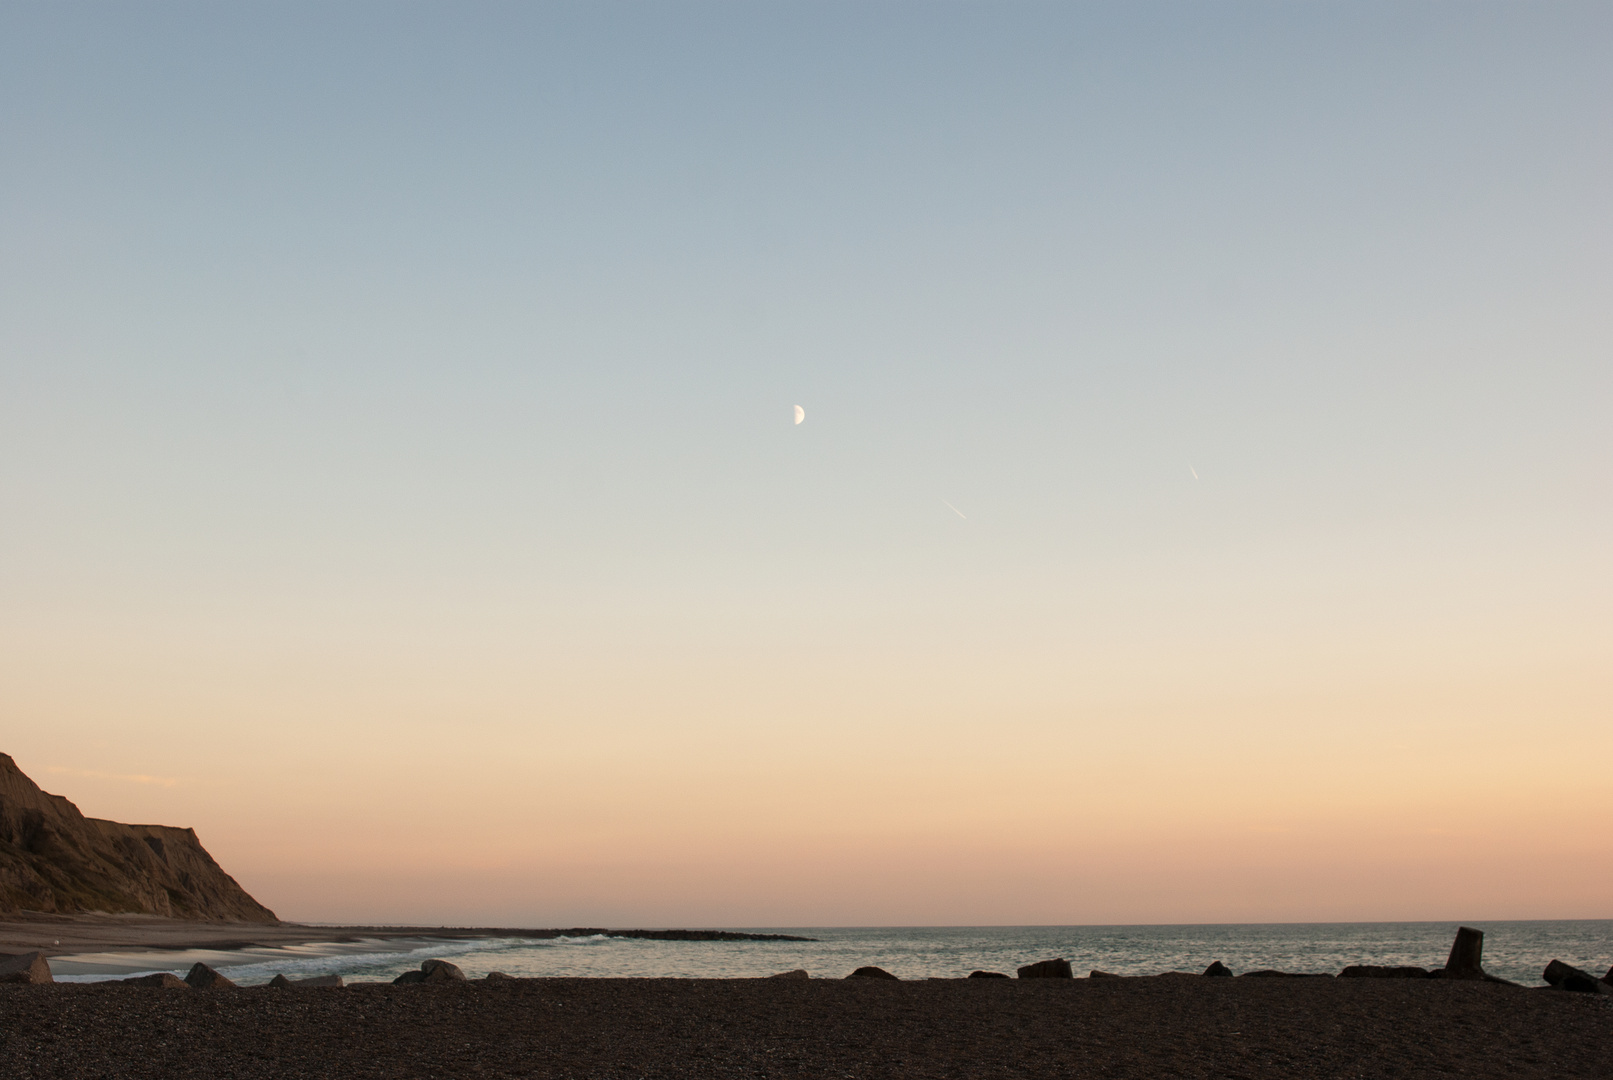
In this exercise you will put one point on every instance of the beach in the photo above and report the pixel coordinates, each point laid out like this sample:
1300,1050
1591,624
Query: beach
58,935
1170,1025
65,935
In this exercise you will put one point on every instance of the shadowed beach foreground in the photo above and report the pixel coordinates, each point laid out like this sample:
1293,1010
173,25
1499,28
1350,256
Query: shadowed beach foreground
1172,1025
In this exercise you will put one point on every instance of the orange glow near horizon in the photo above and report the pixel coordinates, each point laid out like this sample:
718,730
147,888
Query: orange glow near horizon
916,794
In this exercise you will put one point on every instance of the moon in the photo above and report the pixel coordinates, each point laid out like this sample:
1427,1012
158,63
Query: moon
800,414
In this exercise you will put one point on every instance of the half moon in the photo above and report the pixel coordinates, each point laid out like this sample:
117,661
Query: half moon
800,414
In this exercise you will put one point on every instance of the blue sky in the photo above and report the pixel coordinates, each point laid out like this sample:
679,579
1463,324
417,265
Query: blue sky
367,355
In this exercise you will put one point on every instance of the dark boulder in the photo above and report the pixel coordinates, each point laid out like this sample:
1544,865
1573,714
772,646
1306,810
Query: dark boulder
279,980
1567,977
1585,984
499,976
1467,955
163,979
441,971
798,973
1096,974
318,981
1219,970
28,967
1557,971
431,971
871,973
987,975
1374,971
202,977
1047,969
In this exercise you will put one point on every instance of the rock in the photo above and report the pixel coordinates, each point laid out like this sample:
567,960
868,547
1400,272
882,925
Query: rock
1218,969
498,976
1096,974
318,981
202,977
871,973
432,971
1374,971
798,973
1467,954
28,967
1557,971
1585,984
162,978
315,981
987,975
1567,977
1047,969
441,971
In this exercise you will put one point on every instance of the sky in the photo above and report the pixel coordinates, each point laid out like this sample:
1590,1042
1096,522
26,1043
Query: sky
1202,511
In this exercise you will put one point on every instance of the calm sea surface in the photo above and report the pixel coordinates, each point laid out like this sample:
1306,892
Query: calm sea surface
1513,950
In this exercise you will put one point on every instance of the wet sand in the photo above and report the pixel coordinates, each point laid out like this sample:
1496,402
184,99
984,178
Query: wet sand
61,935
64,935
1166,1026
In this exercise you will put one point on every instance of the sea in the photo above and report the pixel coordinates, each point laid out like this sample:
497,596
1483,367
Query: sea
1518,951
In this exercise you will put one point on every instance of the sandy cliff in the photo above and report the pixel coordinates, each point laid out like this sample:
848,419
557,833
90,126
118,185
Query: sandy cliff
54,859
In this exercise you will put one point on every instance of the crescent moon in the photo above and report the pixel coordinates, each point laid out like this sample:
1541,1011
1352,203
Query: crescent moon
800,414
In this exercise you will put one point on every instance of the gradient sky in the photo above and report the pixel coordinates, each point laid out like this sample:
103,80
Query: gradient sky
398,480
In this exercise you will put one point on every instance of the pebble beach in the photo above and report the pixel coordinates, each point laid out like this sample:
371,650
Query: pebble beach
1167,1025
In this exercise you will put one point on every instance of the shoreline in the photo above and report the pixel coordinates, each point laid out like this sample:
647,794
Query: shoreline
67,935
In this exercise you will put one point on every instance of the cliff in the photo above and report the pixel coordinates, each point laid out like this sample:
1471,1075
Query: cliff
54,859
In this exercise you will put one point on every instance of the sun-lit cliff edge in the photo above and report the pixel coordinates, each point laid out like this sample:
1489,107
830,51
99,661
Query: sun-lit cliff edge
54,859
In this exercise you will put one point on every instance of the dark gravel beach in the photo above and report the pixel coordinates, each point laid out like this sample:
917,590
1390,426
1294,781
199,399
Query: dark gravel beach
1175,1026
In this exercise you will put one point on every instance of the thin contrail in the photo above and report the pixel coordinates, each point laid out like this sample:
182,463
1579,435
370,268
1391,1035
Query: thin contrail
955,510
1194,471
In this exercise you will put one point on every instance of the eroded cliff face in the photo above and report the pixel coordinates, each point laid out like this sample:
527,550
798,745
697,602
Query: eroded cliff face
54,859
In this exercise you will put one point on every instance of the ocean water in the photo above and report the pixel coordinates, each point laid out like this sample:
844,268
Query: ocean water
1513,950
